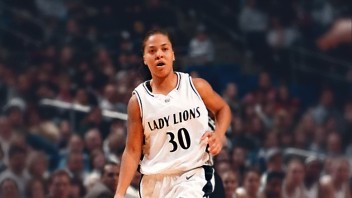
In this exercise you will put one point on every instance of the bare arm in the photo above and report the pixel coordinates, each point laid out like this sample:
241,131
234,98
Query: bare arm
221,111
133,150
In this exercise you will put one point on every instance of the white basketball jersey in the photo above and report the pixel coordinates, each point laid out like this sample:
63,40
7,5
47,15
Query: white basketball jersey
173,126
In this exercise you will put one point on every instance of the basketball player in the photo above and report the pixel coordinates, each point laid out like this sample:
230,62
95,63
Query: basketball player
167,126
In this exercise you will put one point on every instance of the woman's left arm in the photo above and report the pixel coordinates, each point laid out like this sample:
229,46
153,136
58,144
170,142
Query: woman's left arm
221,111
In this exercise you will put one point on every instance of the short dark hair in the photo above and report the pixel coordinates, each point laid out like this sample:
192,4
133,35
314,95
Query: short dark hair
153,32
58,173
275,175
31,182
10,180
251,170
15,149
106,164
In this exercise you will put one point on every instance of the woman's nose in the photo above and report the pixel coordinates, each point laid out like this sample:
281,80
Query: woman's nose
159,54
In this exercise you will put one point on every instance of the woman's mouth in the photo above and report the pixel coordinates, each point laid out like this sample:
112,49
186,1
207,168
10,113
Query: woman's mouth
160,64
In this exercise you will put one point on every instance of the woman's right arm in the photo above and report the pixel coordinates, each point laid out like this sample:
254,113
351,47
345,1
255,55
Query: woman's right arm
132,153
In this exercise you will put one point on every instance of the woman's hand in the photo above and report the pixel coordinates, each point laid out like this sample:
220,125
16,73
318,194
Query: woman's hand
214,141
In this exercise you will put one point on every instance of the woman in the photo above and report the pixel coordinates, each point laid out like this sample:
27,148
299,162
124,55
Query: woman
251,183
35,188
167,126
9,188
231,180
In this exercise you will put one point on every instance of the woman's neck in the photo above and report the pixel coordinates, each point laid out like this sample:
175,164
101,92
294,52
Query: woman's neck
164,85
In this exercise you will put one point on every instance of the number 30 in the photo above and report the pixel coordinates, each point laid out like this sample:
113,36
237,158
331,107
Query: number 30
182,135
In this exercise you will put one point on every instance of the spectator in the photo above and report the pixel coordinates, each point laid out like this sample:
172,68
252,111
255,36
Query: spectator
230,180
201,50
14,112
59,183
252,19
222,166
77,190
92,140
273,189
115,142
230,95
253,22
251,183
318,143
75,145
284,100
15,171
66,132
65,89
300,139
326,108
224,155
265,90
35,188
238,160
279,36
94,119
107,185
273,164
108,101
239,137
6,136
75,165
333,144
293,182
98,160
81,97
38,166
339,178
271,141
313,168
8,188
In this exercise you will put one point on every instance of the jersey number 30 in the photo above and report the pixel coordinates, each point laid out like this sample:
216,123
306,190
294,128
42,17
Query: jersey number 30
183,137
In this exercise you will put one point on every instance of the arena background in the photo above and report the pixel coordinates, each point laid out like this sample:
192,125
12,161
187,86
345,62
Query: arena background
68,67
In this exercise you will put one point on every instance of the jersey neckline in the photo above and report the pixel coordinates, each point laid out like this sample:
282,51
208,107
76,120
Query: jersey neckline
149,90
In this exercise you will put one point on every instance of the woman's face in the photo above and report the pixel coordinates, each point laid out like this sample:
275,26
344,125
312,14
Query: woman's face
99,161
158,55
37,190
230,183
251,183
9,189
39,166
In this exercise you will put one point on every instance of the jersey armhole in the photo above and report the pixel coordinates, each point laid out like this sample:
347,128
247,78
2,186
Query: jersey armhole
193,87
135,92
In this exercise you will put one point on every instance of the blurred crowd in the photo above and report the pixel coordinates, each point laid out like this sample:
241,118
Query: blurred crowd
307,150
88,55
274,30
